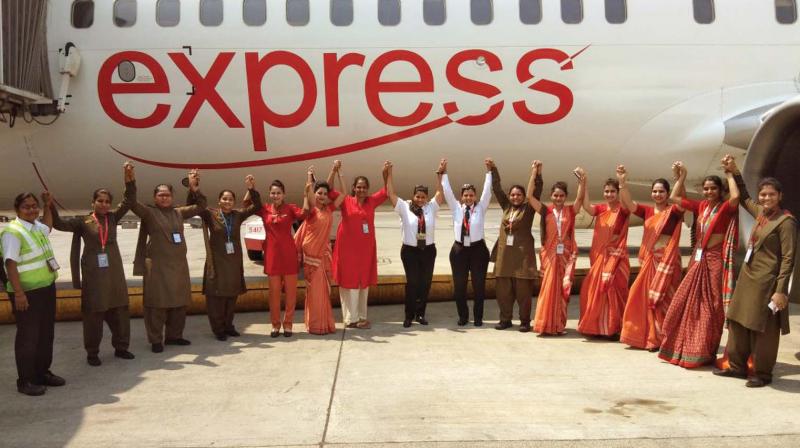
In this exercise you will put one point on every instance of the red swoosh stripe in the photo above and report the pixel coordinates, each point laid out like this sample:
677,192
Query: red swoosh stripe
329,152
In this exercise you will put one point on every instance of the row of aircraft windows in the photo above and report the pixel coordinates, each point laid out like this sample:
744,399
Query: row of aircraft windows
434,12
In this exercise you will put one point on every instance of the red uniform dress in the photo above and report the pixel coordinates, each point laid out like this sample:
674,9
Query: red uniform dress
355,255
280,254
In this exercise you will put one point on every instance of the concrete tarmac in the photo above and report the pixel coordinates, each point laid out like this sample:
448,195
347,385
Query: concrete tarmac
432,386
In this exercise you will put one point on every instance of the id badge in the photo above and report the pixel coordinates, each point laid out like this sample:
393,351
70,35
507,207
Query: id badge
176,237
749,254
53,264
102,260
365,228
560,249
509,240
698,255
773,307
229,249
467,241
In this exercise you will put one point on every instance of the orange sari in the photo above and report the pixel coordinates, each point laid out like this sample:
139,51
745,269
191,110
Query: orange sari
659,277
312,242
605,288
557,273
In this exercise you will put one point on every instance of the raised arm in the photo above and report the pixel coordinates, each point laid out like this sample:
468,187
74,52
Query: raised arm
390,183
337,165
136,207
47,201
624,193
255,203
580,197
679,189
497,186
200,202
535,186
439,196
486,193
308,196
64,225
585,203
452,202
342,193
123,207
728,164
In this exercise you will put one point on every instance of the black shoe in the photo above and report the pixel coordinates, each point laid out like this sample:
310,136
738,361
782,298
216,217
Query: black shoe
756,382
232,332
287,333
524,328
221,337
93,360
421,320
274,333
462,322
157,348
124,354
51,380
478,323
406,323
503,324
729,373
178,341
33,390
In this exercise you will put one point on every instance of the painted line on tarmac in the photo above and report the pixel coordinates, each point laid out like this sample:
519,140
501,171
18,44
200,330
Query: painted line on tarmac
333,389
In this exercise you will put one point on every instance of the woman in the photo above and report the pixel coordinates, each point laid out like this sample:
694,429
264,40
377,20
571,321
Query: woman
161,259
659,266
605,287
313,246
558,253
469,255
104,292
513,254
418,253
31,270
280,257
355,255
693,323
223,274
758,312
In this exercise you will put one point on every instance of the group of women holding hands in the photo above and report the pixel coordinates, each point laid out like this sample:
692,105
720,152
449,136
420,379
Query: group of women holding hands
679,316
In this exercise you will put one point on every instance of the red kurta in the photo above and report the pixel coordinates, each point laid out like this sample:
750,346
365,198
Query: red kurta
280,254
355,255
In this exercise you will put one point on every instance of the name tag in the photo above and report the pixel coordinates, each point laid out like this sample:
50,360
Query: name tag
698,255
176,237
749,254
365,228
102,260
560,249
773,307
53,264
509,240
229,249
467,241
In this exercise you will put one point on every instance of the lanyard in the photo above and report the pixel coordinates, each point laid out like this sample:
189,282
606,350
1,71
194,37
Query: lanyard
558,215
102,232
761,221
228,225
512,217
706,219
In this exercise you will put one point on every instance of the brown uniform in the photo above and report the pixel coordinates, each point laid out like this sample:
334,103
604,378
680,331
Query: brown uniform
223,275
104,292
162,262
515,264
754,329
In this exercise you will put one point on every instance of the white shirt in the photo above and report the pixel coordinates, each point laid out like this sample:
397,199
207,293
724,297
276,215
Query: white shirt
11,245
410,222
477,213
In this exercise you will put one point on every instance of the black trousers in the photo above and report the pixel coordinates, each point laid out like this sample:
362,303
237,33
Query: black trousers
33,346
418,264
471,261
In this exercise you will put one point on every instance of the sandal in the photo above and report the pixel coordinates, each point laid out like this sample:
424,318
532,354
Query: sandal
363,325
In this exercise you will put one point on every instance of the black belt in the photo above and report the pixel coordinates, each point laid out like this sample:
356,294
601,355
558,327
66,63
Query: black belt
471,243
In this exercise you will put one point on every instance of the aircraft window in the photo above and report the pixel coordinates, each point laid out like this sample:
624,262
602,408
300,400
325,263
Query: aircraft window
211,12
82,13
616,11
297,12
168,12
530,11
342,12
389,12
124,13
572,11
481,12
433,12
126,71
786,11
703,11
254,12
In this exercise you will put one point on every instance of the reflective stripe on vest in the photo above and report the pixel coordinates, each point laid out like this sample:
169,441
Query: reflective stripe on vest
34,273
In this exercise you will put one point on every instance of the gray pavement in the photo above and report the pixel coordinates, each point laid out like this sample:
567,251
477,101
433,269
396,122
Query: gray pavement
434,386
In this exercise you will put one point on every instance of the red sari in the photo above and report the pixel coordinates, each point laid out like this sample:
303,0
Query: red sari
312,241
658,279
605,288
693,323
355,255
557,273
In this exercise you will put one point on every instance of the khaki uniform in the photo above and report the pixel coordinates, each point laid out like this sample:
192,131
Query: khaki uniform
514,265
754,329
162,262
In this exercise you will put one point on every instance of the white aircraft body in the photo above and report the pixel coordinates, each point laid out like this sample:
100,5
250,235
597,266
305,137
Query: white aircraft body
234,99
